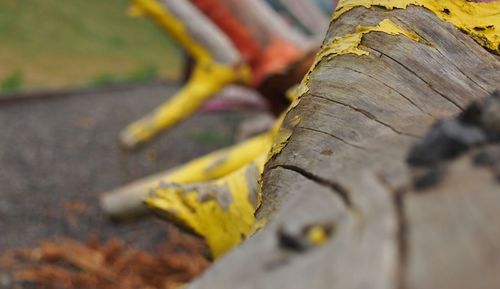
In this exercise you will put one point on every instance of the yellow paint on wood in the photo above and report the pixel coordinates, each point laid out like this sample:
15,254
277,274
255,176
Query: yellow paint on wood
349,44
209,77
317,235
167,20
346,44
219,163
207,80
481,20
282,134
221,211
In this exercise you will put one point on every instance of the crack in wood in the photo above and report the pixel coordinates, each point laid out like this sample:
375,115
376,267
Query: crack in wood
460,70
407,26
334,136
336,187
368,115
444,55
397,196
419,77
391,88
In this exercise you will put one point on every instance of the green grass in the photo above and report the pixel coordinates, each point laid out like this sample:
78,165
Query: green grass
70,43
12,83
141,75
210,138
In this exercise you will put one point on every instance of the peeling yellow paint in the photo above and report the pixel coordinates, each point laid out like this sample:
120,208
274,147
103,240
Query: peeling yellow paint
346,44
349,44
282,134
221,211
219,163
317,235
481,20
293,93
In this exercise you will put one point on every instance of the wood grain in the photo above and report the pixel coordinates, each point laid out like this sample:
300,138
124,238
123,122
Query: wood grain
345,165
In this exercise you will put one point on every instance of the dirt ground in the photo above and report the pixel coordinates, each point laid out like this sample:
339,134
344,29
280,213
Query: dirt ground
57,155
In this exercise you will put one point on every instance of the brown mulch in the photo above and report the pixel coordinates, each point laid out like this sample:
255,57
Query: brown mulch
67,263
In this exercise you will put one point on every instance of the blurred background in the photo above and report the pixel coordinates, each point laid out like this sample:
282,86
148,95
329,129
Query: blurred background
58,154
73,75
57,44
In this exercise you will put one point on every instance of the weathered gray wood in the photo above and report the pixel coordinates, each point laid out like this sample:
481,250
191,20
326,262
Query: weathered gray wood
345,164
453,233
127,202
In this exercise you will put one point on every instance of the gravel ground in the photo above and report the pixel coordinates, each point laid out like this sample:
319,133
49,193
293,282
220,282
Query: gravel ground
57,155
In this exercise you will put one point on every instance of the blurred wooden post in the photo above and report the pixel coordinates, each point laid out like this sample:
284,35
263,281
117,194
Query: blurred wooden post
308,14
266,24
203,31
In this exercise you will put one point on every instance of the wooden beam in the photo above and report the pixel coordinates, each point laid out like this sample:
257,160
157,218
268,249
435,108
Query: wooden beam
342,173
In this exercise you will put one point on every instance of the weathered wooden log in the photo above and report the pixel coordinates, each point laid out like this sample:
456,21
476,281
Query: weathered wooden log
339,198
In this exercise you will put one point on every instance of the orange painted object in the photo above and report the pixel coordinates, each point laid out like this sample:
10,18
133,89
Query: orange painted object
264,62
218,12
275,58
